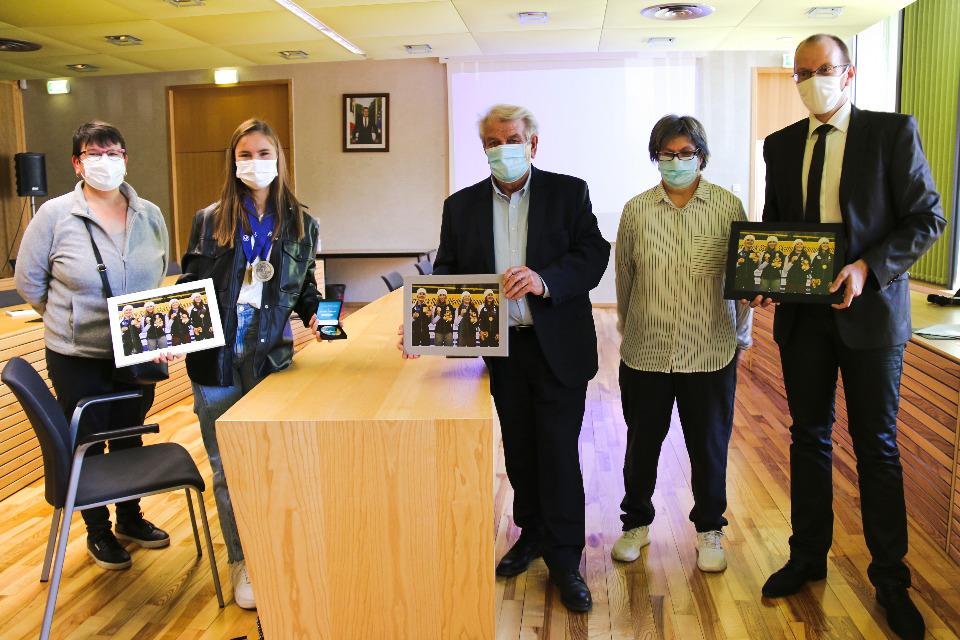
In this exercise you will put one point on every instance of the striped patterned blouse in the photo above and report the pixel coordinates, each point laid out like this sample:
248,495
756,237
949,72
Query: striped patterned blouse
670,264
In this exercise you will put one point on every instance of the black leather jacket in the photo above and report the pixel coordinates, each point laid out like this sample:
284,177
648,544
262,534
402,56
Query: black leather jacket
292,288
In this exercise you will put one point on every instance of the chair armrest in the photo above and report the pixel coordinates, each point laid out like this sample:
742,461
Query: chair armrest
92,400
126,432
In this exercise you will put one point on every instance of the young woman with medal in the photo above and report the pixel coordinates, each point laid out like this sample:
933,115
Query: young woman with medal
258,244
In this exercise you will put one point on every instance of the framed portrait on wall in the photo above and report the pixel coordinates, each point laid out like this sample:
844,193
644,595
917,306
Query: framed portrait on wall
366,122
455,315
784,261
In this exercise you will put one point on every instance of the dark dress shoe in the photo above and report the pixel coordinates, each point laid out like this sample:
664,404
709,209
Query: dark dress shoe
791,578
521,554
574,592
902,615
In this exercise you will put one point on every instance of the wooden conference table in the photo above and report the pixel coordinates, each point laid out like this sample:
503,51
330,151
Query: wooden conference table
363,489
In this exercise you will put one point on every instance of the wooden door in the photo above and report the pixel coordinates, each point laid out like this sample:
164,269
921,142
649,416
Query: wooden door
14,210
202,119
776,104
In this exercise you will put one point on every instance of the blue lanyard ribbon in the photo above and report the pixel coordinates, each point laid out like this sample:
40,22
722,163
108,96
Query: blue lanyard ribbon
257,243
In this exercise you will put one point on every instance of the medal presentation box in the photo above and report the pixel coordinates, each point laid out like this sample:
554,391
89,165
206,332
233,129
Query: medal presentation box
362,484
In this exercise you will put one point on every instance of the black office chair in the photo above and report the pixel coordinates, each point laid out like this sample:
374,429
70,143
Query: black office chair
393,280
74,483
425,267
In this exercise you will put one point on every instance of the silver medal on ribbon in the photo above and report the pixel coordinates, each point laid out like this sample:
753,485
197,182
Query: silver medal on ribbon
262,271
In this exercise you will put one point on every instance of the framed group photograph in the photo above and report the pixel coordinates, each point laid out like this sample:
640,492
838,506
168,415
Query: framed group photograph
455,315
789,262
177,319
366,122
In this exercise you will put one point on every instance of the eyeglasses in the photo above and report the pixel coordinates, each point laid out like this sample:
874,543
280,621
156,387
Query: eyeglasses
667,156
113,154
824,70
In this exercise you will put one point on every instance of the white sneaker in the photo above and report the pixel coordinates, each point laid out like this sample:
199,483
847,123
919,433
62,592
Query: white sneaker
242,589
710,556
627,548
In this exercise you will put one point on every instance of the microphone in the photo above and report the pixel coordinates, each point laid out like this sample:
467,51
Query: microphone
943,301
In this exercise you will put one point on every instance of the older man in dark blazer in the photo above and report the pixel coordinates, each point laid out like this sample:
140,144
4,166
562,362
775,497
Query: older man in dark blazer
538,229
866,170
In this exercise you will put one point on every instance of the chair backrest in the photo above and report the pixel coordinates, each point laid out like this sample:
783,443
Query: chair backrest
48,422
425,267
393,280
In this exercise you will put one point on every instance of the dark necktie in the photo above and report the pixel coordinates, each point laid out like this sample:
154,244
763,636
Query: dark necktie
811,213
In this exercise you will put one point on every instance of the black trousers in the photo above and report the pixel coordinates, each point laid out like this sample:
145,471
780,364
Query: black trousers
75,377
871,378
705,404
540,420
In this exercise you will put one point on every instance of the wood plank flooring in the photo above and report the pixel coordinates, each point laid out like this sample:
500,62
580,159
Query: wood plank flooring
168,594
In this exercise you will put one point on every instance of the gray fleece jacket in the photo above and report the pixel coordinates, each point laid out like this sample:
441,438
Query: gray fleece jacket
57,272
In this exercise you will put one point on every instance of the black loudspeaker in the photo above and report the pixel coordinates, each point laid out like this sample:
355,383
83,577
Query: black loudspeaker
31,174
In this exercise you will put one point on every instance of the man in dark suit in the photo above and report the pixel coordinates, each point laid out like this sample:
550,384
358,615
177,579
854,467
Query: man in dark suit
538,229
366,128
867,170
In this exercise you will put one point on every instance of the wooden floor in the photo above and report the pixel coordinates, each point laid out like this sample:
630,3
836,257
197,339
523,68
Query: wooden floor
168,594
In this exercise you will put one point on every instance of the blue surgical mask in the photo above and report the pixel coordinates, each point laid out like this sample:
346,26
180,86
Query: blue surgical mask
509,162
680,173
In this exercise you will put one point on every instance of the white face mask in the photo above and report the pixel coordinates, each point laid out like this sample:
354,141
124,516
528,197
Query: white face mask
257,174
104,173
821,94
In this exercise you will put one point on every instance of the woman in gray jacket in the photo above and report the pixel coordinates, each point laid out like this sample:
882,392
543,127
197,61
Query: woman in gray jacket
57,274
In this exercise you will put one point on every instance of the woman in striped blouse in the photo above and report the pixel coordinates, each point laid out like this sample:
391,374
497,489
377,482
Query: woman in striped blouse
681,339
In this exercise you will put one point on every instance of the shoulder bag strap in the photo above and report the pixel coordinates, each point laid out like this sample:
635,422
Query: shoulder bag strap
101,267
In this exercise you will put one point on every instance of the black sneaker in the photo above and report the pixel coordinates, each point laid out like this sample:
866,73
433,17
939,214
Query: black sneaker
107,552
143,533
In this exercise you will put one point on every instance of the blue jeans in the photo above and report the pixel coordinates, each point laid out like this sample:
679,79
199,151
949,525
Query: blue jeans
211,402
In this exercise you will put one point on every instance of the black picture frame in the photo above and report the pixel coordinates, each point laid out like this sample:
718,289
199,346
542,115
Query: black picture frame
814,290
375,137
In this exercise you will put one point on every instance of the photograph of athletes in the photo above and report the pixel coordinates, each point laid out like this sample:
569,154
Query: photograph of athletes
177,319
454,315
794,263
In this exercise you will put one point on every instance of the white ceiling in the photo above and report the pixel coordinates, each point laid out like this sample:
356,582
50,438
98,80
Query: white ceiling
252,32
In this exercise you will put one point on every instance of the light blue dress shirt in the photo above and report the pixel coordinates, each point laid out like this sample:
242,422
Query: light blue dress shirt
510,214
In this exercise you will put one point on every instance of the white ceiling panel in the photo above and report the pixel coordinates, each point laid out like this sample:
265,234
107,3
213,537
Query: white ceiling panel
513,42
396,19
443,45
684,39
501,15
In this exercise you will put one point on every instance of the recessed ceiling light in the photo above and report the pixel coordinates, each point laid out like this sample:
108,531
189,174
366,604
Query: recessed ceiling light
417,49
296,54
186,3
784,37
661,42
124,40
311,20
677,11
533,17
16,46
83,67
824,12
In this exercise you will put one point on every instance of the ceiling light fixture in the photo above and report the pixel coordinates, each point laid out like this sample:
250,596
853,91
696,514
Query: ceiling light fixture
17,46
677,11
226,76
186,3
417,49
293,54
661,42
55,87
828,13
533,17
310,19
124,40
83,67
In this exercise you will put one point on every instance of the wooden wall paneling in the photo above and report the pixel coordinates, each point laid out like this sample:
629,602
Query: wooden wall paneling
14,210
